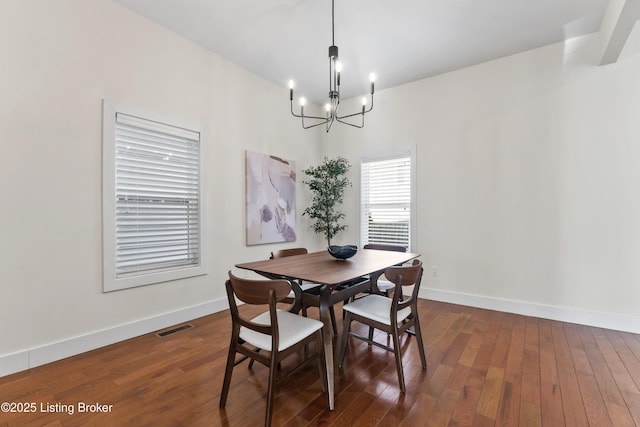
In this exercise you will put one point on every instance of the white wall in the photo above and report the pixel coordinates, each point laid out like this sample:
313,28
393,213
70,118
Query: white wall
528,172
59,60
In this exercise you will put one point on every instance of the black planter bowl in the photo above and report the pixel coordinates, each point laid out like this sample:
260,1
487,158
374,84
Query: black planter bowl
342,252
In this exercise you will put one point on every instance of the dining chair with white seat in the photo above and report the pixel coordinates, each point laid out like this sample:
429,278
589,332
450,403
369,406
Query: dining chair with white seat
271,336
384,285
393,314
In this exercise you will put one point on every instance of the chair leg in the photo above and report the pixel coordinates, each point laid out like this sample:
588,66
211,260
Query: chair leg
396,351
418,335
322,361
304,313
270,387
227,375
258,351
253,360
343,340
332,313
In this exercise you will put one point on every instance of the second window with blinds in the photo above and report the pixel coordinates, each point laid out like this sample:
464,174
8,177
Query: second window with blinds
387,199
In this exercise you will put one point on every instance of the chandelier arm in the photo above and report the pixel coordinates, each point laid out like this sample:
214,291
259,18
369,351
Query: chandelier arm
328,128
356,114
359,113
304,116
350,115
336,105
360,126
314,125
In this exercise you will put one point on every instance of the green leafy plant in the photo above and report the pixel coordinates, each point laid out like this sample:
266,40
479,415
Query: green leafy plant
327,183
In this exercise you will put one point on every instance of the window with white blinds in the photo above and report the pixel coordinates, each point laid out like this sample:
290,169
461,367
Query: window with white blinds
153,229
386,200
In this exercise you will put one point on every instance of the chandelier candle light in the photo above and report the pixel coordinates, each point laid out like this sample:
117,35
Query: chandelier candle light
334,92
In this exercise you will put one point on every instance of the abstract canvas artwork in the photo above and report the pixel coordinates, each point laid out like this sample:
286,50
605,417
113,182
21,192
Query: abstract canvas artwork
271,199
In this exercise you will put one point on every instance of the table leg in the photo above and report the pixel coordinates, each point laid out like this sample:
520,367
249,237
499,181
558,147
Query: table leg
328,340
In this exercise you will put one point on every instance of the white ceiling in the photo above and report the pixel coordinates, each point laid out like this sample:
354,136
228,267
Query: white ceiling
401,41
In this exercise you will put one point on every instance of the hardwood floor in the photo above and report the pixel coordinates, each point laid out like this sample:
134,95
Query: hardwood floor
485,368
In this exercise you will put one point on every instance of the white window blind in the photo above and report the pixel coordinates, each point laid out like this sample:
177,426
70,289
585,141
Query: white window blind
156,217
386,203
157,191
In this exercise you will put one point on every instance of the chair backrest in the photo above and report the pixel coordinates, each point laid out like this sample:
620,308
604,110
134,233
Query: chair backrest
406,275
255,292
382,247
288,252
258,292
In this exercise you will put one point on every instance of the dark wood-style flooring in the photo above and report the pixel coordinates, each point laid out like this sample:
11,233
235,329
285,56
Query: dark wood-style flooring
485,368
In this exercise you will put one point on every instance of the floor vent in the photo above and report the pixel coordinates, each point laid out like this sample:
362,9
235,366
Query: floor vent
174,330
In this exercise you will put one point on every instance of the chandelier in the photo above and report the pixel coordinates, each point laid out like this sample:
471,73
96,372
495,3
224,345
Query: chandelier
332,106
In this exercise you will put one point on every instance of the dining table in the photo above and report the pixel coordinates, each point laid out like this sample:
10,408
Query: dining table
340,279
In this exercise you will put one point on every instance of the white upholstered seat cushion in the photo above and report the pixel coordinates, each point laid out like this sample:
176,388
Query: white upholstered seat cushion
376,307
305,287
292,329
385,285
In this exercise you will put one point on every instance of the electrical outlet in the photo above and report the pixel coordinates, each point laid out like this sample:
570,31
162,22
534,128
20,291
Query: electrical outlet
435,271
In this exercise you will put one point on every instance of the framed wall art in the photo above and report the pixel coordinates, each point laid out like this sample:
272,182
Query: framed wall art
270,199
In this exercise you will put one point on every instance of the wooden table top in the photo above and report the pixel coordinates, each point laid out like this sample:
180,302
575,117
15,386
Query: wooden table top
321,267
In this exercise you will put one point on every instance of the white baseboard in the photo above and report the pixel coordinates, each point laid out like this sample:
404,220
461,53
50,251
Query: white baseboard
564,314
20,361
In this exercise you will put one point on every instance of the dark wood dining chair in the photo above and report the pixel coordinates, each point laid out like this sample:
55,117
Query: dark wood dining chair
281,253
271,336
310,292
303,287
384,285
394,315
379,284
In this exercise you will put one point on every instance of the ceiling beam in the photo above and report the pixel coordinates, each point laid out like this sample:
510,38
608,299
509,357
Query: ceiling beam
618,21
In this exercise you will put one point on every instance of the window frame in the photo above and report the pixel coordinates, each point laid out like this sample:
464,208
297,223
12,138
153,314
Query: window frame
409,152
111,282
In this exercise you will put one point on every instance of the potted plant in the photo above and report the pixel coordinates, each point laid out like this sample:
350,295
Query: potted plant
327,182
